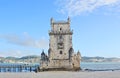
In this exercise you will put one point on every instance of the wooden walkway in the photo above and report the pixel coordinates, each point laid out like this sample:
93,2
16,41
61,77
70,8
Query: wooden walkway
18,67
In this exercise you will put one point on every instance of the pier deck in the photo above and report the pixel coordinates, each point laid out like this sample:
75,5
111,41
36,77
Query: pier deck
18,67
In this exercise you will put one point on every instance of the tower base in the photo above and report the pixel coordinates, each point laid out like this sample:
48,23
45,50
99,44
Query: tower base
58,69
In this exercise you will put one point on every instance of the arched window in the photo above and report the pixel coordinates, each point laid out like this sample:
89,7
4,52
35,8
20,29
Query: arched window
49,51
70,53
60,52
60,37
60,29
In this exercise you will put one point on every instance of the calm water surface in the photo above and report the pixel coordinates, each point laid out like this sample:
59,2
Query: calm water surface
103,66
92,66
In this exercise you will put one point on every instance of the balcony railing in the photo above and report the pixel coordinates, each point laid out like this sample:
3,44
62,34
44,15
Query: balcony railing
51,32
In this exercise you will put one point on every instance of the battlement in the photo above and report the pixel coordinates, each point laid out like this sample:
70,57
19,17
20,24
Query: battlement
60,22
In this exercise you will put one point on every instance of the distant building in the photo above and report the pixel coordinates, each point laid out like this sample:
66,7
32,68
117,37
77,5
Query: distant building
61,53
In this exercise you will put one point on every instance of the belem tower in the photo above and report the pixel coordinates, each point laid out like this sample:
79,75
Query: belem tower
61,55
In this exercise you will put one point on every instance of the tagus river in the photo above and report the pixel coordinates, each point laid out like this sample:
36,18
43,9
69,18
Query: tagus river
100,66
89,66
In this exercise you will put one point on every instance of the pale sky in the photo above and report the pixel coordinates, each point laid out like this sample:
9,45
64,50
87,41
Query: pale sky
24,26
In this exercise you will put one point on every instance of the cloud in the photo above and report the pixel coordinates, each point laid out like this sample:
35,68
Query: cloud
25,40
18,53
78,7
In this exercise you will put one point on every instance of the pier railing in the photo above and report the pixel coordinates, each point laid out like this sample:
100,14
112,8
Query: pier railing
18,67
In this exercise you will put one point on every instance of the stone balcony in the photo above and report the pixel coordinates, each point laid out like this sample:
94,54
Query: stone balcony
69,32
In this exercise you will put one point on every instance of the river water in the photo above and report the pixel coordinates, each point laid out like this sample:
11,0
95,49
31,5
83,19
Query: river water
90,66
100,66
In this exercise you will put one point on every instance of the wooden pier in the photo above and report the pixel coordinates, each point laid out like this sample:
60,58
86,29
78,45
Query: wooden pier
18,67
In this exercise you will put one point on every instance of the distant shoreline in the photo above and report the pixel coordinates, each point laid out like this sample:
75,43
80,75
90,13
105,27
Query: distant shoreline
36,59
101,70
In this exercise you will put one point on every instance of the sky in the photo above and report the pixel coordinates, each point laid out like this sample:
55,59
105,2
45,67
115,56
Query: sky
24,26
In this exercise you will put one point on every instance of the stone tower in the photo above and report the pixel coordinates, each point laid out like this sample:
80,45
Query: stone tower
61,53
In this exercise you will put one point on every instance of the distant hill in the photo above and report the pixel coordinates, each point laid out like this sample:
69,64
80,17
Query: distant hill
99,59
30,57
24,59
36,59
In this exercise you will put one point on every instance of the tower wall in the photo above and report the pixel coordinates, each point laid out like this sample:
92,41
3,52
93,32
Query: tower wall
60,39
61,52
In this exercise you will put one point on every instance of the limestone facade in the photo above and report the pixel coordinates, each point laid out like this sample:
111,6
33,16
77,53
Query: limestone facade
61,54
